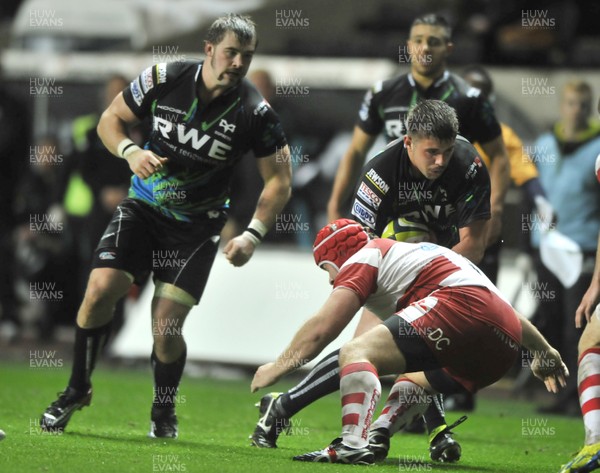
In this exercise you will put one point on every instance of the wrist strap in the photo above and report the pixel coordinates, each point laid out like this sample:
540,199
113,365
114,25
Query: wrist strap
126,147
251,237
258,228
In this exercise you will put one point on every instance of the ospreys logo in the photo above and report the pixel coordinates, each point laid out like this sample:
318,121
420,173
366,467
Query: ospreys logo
170,131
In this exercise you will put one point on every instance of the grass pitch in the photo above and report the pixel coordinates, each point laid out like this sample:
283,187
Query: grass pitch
216,418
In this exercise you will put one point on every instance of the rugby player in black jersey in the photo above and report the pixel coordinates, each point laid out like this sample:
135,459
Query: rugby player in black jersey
431,176
205,117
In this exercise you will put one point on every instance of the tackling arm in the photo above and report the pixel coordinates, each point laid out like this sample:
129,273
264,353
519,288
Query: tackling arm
316,333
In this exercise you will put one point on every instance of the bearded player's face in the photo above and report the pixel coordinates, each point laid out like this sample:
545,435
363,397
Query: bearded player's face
428,49
229,60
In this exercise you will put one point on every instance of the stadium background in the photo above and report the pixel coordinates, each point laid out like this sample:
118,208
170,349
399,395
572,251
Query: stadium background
57,54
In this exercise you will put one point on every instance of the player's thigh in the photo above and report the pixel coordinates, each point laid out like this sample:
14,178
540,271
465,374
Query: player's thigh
376,346
184,258
591,334
367,321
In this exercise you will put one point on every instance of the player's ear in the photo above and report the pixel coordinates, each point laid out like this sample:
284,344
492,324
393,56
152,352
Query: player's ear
449,47
209,48
407,142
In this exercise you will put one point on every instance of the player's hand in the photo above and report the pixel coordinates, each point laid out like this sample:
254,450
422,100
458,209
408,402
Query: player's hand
547,365
266,375
239,250
590,301
143,163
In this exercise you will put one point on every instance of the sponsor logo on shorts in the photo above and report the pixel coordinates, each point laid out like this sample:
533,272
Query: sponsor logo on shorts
137,93
378,181
161,72
363,213
107,255
437,336
146,80
369,196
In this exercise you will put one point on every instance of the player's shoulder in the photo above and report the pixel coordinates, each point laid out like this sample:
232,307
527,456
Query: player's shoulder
164,72
253,103
465,158
392,151
393,84
463,88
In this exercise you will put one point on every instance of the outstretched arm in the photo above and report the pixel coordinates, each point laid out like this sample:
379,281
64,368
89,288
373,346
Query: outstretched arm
310,340
547,364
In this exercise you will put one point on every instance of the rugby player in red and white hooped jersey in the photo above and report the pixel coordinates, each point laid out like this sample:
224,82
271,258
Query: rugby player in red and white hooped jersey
588,368
445,324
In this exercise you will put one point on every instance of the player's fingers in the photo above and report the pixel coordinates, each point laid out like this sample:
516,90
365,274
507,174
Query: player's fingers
550,383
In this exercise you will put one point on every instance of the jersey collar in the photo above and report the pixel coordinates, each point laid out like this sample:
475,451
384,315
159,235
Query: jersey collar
437,83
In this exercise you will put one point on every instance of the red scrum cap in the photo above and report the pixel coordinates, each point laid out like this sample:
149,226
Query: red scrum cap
338,241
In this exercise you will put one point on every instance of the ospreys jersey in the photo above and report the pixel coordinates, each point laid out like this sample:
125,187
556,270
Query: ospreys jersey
202,142
388,190
386,105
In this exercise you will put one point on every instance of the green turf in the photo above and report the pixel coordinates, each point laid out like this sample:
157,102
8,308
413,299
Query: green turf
216,417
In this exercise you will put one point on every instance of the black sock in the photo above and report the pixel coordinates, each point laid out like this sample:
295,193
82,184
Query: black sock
322,380
434,415
88,342
166,379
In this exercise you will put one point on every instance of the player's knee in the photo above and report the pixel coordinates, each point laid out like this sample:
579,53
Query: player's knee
590,338
352,352
167,346
105,288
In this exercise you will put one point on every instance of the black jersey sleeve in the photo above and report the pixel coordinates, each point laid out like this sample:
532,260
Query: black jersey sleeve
266,132
374,195
483,124
474,203
370,119
142,90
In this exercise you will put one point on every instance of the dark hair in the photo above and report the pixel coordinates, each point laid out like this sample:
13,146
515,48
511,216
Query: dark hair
487,85
241,25
433,19
432,119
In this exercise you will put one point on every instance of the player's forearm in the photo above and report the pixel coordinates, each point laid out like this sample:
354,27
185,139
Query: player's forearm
532,339
112,131
275,194
500,179
310,340
470,249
